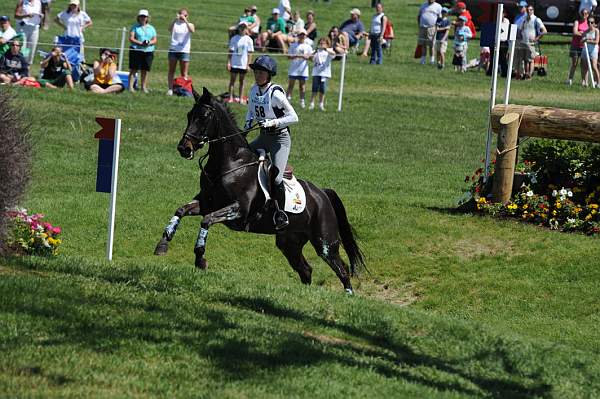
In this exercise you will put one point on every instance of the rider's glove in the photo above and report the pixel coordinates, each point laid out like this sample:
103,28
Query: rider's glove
268,123
248,124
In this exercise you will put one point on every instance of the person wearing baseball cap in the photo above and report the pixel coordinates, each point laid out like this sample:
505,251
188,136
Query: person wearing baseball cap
142,39
275,31
74,22
353,29
6,33
462,11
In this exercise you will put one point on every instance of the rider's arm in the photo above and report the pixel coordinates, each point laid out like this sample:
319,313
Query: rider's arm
249,116
289,115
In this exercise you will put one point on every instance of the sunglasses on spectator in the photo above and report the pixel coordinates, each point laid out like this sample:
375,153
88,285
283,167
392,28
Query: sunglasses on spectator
15,45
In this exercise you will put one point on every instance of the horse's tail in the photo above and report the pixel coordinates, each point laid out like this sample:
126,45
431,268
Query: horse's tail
355,255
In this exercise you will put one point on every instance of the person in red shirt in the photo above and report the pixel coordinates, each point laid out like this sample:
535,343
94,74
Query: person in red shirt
461,11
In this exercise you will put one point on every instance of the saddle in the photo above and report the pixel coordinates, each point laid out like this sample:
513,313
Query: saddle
295,197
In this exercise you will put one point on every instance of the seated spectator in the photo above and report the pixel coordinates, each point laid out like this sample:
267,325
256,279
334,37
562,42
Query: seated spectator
296,26
6,34
13,66
310,26
338,42
56,70
275,32
247,17
106,79
354,30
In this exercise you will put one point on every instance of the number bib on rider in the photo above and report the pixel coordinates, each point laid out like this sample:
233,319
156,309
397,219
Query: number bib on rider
261,103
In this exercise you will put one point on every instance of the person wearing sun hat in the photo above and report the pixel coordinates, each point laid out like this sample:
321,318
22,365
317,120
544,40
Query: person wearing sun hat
74,22
142,37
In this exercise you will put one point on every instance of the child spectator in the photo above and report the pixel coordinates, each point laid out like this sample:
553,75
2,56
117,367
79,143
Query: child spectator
337,41
299,54
441,38
484,58
591,38
240,47
56,70
461,36
179,50
13,66
106,80
74,22
321,72
142,37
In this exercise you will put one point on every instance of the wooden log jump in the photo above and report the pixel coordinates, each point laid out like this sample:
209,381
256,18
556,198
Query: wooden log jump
543,122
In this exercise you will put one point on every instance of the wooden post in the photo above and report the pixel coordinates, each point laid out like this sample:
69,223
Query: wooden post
505,158
552,123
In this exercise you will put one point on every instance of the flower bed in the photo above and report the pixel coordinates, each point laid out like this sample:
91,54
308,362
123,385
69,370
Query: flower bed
30,235
558,186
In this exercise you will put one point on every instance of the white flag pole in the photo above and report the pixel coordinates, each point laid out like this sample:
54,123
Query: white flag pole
122,50
488,145
589,64
113,190
511,58
342,74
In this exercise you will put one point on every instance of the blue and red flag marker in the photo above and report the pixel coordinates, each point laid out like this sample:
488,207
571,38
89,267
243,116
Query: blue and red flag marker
108,169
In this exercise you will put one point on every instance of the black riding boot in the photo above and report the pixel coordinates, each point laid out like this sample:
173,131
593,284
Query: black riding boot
280,219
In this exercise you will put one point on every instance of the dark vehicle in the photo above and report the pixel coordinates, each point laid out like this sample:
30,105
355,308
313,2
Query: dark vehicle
557,15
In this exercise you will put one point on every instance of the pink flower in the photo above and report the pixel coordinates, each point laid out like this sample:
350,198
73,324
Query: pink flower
47,226
56,230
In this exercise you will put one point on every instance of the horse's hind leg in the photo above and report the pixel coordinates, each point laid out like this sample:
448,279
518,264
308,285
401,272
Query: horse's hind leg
329,251
291,245
189,209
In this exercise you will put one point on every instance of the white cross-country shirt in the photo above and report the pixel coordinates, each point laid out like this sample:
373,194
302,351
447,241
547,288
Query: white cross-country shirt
240,46
299,66
270,103
322,65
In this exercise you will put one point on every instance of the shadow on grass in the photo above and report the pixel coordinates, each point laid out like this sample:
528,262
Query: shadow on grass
227,332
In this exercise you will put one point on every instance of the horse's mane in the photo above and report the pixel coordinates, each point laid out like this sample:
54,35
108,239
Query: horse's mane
227,115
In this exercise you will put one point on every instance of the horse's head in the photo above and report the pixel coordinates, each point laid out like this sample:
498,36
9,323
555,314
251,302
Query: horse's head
201,125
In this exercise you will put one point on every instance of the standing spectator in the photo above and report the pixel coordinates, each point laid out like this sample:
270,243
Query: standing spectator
276,31
503,53
74,22
354,30
522,13
311,26
579,26
106,80
589,5
29,16
461,10
179,50
299,54
337,42
56,70
7,33
428,15
285,9
529,31
591,38
46,13
240,49
142,37
378,24
13,66
321,72
441,38
462,34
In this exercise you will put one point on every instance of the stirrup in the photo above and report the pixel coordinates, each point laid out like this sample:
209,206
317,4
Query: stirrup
280,220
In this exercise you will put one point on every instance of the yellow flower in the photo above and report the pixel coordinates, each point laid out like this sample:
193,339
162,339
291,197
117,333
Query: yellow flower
525,207
593,206
554,213
594,212
558,205
588,217
481,200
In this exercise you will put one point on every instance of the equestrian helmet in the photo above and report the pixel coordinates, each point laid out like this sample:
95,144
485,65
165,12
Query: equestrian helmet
265,63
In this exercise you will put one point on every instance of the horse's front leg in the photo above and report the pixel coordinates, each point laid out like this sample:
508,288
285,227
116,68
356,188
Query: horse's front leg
230,212
189,209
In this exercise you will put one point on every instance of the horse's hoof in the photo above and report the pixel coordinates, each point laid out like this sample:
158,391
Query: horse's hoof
201,264
161,248
349,291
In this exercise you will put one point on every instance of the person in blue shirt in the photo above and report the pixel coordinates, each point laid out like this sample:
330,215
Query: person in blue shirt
462,34
441,38
142,37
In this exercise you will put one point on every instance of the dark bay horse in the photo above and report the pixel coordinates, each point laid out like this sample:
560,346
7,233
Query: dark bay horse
230,194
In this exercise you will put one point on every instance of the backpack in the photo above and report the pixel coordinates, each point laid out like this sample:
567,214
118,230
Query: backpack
182,87
388,33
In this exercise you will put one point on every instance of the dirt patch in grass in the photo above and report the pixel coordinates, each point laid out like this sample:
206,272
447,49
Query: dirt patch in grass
405,295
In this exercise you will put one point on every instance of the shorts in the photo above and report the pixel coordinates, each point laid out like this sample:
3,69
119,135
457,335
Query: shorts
103,85
239,71
59,81
426,35
575,51
525,52
140,60
592,51
297,77
441,47
319,84
179,56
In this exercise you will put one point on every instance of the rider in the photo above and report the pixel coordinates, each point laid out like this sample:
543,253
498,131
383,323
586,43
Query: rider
268,105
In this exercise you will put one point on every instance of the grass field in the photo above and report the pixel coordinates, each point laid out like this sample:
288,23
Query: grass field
455,305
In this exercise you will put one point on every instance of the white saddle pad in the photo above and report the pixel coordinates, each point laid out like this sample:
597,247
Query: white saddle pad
295,197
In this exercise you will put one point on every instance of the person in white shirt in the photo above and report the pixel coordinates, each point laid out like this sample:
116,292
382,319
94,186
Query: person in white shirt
28,15
321,72
428,15
285,9
74,22
241,48
299,53
179,50
6,32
